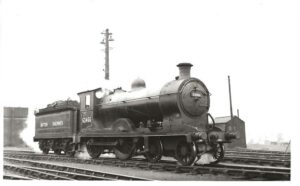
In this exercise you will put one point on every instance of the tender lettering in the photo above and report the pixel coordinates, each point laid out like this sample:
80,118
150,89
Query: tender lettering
43,124
57,123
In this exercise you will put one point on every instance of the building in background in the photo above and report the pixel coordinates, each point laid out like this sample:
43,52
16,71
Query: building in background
234,124
279,145
14,122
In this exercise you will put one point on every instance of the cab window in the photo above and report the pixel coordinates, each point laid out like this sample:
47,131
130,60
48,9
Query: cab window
87,101
82,102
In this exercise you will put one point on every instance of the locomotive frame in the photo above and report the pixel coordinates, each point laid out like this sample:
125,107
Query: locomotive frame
172,121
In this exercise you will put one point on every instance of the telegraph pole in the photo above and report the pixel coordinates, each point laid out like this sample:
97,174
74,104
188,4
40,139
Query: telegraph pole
105,41
231,114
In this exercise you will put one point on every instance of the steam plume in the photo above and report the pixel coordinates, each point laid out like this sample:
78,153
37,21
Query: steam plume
28,133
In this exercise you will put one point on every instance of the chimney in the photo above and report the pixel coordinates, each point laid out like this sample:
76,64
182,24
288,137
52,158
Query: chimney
184,70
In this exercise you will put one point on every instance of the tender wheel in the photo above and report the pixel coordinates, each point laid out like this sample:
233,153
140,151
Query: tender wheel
69,149
57,151
124,149
186,153
45,151
93,150
44,147
155,150
218,152
56,146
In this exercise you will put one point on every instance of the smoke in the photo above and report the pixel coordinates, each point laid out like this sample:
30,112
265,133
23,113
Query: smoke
108,155
83,154
28,133
206,158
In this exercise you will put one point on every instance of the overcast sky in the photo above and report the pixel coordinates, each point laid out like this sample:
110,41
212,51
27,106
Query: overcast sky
51,50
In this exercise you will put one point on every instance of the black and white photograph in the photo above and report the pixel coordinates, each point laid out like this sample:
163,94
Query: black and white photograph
196,91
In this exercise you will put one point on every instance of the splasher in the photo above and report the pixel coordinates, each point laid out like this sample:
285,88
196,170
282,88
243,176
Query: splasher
28,133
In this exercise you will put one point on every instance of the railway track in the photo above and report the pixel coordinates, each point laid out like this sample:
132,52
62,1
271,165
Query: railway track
262,155
259,157
257,151
228,151
257,161
30,173
235,171
235,158
14,177
40,170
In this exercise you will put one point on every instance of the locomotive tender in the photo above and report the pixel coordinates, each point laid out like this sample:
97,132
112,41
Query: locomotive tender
172,121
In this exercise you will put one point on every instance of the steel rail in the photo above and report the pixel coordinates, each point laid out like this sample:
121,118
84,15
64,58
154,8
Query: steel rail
14,177
33,174
228,154
71,175
258,157
259,154
263,155
257,161
257,151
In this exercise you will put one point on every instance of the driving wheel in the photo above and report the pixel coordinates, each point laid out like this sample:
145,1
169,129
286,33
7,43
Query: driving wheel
186,153
124,149
155,150
218,152
57,151
69,149
93,150
44,146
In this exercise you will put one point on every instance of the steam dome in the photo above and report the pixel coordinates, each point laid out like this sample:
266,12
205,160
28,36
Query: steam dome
138,83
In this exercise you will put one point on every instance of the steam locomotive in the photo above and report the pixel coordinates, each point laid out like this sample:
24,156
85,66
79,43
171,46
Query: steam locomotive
172,121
